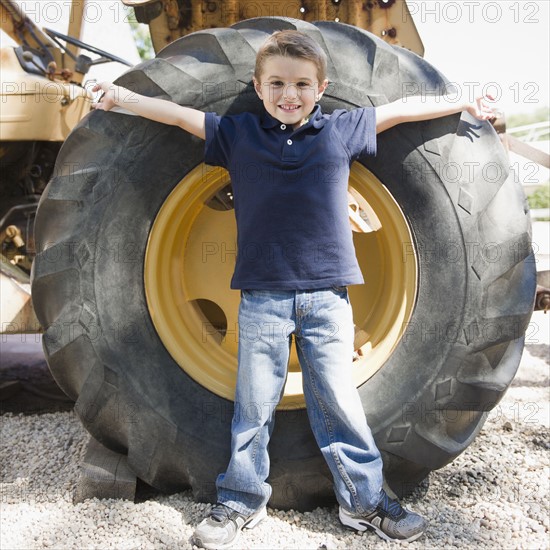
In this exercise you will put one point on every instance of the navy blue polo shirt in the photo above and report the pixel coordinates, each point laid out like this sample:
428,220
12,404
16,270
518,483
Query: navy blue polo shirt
290,195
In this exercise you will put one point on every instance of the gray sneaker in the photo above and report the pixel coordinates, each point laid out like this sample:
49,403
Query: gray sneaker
222,528
389,520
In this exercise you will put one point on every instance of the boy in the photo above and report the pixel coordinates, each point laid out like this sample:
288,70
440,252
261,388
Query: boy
299,280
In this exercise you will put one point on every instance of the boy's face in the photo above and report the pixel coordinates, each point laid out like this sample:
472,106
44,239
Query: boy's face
289,88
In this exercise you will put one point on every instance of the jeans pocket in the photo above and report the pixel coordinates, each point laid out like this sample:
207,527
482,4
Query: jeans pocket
341,292
339,289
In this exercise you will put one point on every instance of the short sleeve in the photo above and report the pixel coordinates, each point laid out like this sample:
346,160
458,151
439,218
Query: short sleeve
220,133
357,129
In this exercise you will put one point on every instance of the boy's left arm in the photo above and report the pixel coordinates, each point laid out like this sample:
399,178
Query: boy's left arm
413,109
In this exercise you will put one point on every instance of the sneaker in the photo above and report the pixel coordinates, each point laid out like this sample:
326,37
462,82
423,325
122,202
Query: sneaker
222,528
389,520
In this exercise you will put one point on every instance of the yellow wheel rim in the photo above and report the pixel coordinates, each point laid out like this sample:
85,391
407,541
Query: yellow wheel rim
190,259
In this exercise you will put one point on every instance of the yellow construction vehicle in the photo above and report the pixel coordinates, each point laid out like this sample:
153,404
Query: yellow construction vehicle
43,97
135,245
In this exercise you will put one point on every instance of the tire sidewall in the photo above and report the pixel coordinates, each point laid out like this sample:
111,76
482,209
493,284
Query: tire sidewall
176,418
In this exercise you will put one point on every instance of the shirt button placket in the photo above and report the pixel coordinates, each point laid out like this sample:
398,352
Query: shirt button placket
289,151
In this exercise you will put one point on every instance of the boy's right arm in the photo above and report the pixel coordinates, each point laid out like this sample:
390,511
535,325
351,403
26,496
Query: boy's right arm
160,110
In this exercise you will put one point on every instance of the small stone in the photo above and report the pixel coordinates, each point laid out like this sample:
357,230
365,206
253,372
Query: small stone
454,491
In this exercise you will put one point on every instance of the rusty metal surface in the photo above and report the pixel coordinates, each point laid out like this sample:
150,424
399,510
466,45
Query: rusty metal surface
168,20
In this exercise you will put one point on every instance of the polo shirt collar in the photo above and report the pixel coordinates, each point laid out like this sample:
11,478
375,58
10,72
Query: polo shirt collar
316,119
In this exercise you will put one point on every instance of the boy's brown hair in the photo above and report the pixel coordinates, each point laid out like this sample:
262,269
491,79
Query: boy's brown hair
292,44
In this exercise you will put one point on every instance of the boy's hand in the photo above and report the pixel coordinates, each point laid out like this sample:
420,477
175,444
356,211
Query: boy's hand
108,100
480,109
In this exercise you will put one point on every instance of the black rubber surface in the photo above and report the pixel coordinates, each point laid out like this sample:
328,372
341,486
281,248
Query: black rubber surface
450,177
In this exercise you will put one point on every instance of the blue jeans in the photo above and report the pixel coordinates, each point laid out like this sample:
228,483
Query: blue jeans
322,323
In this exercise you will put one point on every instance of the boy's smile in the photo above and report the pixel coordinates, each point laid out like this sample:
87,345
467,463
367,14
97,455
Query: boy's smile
289,88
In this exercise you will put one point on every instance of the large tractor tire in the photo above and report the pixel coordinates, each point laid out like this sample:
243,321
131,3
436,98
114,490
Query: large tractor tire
136,241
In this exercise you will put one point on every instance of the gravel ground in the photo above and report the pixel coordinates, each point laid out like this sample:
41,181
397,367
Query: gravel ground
495,495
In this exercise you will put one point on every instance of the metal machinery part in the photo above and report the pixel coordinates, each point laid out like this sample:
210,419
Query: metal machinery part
42,99
170,19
